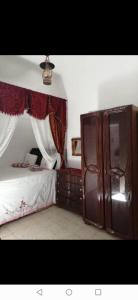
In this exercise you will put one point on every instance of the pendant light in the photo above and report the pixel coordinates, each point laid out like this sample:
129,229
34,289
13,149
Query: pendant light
47,66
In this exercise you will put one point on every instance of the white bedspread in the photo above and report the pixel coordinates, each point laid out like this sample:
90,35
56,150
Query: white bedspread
23,192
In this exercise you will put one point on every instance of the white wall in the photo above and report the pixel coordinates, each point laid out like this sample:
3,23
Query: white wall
88,82
97,82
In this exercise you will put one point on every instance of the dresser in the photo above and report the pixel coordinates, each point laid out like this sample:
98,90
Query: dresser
69,190
110,170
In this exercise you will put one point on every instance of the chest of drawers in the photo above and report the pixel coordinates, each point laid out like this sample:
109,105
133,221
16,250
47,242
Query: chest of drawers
69,191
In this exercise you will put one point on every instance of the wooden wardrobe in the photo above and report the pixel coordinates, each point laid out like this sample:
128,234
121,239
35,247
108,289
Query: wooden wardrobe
110,170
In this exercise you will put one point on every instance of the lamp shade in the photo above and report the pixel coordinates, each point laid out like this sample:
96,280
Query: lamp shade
44,64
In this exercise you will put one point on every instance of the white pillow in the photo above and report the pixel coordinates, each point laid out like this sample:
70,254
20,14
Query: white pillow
30,159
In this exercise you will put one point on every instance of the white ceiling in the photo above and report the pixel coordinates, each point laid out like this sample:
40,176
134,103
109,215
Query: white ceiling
34,58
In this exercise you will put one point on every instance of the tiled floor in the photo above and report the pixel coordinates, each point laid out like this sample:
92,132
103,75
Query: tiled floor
52,224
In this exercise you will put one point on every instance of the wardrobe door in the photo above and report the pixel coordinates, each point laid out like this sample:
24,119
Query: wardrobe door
92,168
117,171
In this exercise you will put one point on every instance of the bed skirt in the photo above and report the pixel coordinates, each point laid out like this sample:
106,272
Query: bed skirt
31,212
26,194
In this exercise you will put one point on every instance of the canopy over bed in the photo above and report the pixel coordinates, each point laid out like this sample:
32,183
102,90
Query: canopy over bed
48,118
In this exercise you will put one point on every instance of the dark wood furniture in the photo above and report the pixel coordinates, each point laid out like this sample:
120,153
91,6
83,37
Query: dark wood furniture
69,190
110,170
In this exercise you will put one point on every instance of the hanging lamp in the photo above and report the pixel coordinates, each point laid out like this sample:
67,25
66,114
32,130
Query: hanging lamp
47,66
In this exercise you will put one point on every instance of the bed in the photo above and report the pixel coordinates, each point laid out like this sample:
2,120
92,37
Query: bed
23,192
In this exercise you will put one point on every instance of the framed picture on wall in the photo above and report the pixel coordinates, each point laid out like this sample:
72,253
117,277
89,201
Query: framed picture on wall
76,147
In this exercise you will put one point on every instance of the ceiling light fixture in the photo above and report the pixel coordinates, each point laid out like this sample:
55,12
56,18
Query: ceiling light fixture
47,66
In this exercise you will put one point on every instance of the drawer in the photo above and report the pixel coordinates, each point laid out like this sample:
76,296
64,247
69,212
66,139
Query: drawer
63,185
76,198
80,180
76,179
63,177
70,194
67,177
76,190
64,192
64,202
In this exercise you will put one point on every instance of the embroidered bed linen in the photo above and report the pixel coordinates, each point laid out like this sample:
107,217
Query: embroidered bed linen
23,192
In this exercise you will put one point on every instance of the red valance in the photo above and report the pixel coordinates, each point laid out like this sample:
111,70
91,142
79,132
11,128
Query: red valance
14,100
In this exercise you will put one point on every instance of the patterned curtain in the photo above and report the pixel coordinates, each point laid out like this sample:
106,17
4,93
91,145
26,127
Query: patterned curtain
58,132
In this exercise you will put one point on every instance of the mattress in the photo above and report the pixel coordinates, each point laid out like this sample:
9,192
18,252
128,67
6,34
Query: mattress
10,173
23,192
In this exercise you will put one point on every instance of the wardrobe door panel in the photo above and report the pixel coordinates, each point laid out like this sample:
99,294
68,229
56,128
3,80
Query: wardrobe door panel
92,195
90,140
117,171
91,131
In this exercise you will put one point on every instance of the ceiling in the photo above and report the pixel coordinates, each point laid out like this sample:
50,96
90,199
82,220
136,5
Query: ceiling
34,58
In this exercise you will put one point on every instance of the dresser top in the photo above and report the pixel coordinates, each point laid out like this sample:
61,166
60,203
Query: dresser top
72,171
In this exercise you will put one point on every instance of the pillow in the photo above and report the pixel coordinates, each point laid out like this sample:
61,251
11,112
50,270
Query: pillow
30,159
37,152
